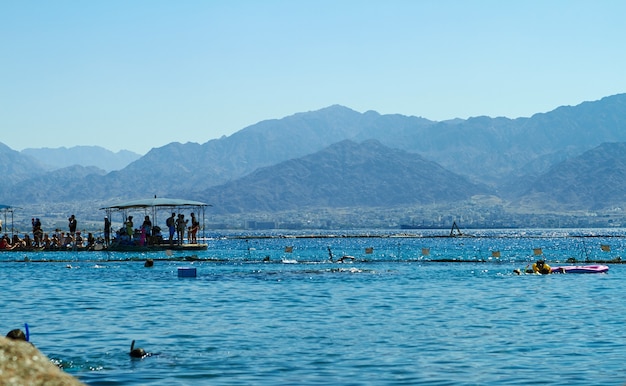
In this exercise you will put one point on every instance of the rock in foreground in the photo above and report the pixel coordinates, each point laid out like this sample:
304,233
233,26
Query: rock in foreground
22,364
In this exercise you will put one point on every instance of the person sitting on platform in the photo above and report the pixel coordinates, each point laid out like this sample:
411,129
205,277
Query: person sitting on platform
78,242
64,240
55,243
46,241
5,243
27,243
157,237
122,237
17,242
91,241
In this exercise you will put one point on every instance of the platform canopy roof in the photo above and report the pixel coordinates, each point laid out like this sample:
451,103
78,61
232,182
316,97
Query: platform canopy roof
7,207
155,203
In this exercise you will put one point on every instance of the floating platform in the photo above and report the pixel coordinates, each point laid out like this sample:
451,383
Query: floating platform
155,247
116,248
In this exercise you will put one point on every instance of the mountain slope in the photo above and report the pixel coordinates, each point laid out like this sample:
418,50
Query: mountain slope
61,185
490,150
17,167
345,174
196,167
594,180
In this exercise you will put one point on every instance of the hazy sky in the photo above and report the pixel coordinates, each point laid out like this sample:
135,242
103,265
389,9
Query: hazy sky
141,74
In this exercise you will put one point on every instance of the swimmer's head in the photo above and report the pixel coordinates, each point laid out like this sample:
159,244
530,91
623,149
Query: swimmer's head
137,352
17,334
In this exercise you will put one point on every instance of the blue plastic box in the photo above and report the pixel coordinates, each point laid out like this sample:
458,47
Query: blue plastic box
186,272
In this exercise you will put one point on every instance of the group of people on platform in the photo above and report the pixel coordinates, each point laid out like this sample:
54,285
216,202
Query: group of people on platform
41,240
147,234
178,224
128,234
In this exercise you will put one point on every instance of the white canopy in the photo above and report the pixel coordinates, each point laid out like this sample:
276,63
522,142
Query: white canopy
156,202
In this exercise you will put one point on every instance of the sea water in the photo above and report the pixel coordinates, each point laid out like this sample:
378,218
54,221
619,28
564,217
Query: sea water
256,314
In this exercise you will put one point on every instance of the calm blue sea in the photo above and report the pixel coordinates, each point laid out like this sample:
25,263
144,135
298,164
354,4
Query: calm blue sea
390,317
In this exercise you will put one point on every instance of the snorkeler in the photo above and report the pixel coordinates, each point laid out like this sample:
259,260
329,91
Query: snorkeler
17,334
541,267
137,352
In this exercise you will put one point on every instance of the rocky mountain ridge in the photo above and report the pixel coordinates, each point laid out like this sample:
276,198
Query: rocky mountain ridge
346,174
285,163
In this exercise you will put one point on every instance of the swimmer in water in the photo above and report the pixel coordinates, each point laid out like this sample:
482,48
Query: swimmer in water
541,267
344,258
17,334
137,352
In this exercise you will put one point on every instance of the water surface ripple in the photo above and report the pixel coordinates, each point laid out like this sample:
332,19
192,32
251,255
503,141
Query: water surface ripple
391,317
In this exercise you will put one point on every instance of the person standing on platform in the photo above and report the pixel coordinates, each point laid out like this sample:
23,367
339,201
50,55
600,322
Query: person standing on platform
171,226
130,227
181,224
193,230
107,231
72,225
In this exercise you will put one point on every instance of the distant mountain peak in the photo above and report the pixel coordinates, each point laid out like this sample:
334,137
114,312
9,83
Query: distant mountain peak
57,158
345,174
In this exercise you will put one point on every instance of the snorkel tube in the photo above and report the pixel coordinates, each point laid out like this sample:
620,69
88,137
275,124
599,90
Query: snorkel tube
27,332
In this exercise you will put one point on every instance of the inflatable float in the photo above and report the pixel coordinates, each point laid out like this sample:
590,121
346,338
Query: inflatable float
569,269
581,269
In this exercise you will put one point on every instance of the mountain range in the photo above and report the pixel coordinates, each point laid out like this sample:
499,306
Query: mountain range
345,174
96,156
570,159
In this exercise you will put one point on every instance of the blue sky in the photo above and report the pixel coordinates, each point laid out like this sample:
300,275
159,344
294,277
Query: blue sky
141,74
